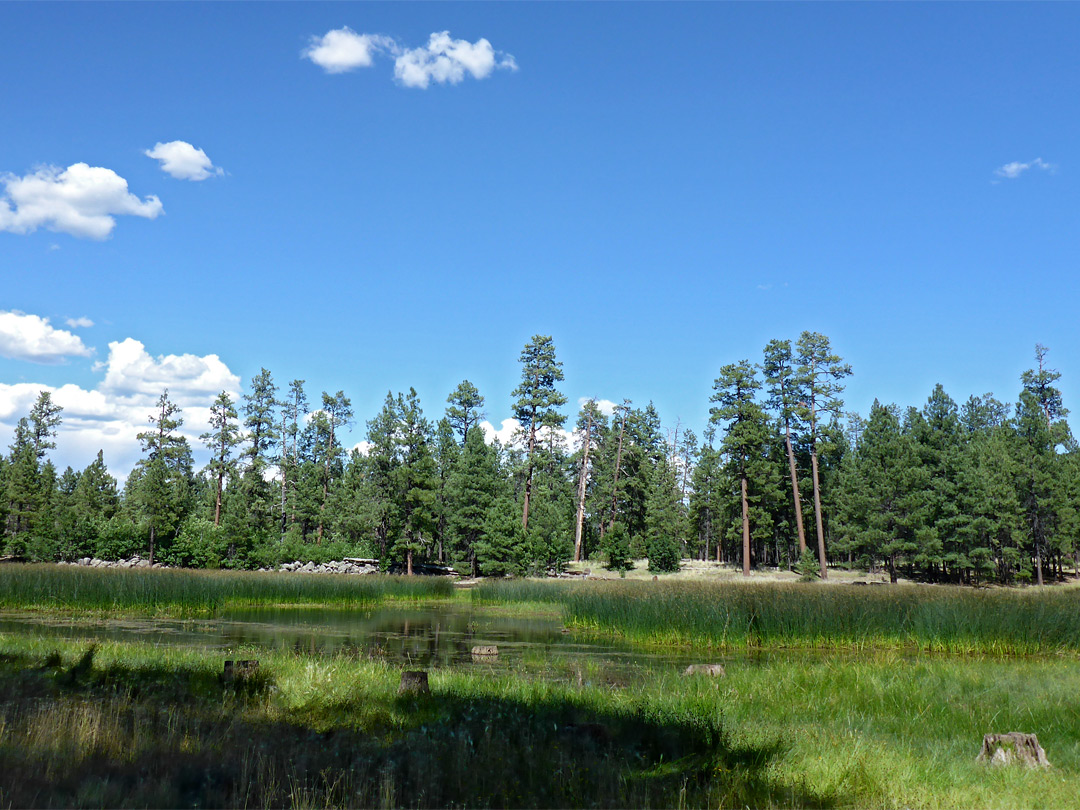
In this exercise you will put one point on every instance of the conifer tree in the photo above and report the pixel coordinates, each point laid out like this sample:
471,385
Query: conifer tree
162,480
220,440
744,434
465,411
537,404
818,378
779,374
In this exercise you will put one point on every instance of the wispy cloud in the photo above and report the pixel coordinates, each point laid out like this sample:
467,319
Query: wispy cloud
80,200
183,161
1013,170
443,60
79,323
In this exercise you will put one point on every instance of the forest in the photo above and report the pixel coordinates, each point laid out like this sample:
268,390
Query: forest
782,476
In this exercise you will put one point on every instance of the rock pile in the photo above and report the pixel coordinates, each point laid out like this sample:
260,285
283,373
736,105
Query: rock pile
132,562
335,567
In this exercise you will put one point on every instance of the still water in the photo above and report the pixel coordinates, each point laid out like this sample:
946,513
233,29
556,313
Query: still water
425,637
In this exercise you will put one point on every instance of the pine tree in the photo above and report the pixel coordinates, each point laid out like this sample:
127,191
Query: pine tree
472,488
261,435
162,480
784,399
818,379
465,411
336,413
744,434
537,403
415,482
663,521
220,440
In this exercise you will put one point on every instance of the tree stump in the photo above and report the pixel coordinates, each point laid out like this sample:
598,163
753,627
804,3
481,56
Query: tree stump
239,670
414,682
485,650
1013,748
712,670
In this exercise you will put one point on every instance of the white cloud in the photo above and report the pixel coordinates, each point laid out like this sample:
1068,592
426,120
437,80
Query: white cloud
363,446
110,416
342,49
510,433
183,161
80,200
30,337
132,373
1013,170
445,60
79,323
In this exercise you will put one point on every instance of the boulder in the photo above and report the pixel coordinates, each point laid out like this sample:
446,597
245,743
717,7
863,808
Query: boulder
1013,748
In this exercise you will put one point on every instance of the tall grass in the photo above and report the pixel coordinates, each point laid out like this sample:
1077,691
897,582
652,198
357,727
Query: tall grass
165,591
933,618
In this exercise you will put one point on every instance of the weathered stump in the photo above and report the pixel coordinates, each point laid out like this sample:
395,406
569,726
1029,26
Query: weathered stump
485,650
414,682
239,670
1013,748
712,670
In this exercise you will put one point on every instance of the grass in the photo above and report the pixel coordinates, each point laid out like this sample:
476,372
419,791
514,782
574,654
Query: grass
134,726
188,592
737,615
131,725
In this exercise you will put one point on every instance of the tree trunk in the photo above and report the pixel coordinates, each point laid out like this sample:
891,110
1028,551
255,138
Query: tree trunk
151,543
817,516
795,491
745,530
581,491
529,474
615,482
408,562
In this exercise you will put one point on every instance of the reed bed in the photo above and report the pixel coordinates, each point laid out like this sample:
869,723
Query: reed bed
732,615
55,587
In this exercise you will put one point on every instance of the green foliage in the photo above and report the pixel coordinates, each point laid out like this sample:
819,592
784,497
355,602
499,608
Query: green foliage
807,567
616,548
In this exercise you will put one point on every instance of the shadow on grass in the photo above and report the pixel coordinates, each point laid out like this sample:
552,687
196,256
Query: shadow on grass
153,736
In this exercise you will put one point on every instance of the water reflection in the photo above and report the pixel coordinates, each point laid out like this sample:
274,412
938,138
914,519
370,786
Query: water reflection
442,636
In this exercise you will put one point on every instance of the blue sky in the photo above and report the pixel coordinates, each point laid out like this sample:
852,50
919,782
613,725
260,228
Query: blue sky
663,188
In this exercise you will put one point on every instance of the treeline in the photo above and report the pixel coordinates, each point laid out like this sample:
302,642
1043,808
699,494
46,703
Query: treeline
781,477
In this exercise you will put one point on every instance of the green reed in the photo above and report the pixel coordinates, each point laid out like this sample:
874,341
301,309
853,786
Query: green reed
938,618
157,590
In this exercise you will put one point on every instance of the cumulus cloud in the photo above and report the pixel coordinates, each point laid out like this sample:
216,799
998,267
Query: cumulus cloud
183,161
510,433
342,49
447,61
80,200
79,323
30,337
131,372
443,60
1013,170
110,416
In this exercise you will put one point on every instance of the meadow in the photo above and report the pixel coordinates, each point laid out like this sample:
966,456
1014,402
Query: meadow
813,712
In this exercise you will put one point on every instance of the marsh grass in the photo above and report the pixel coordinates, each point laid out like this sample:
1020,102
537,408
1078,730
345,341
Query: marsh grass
140,726
190,592
932,618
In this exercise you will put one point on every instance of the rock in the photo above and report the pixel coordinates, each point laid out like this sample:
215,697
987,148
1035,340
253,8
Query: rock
84,561
414,682
485,649
309,568
712,670
142,564
1013,748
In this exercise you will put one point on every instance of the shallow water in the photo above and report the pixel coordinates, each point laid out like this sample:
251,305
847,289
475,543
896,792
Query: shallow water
425,637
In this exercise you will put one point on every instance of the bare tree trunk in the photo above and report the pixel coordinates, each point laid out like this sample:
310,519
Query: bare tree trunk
151,543
795,491
529,474
581,490
745,530
817,516
408,562
618,463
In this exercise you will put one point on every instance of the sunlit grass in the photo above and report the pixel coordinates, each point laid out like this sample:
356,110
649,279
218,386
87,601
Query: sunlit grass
938,618
161,592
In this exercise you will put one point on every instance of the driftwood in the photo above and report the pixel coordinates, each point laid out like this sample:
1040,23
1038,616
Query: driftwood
1013,748
485,649
713,670
414,682
239,670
